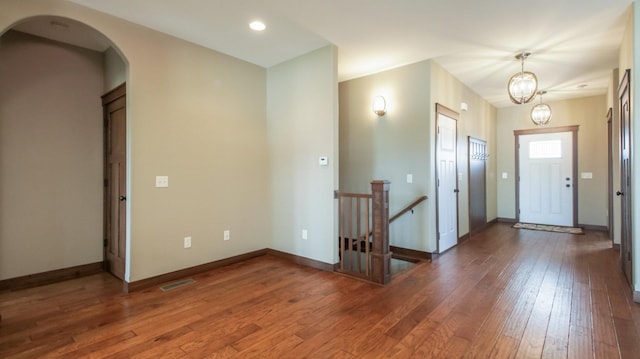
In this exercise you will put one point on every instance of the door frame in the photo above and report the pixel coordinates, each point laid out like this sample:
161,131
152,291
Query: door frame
626,191
536,131
610,173
443,110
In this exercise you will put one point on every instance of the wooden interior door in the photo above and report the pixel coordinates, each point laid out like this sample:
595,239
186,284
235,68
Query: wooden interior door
115,117
625,176
477,150
610,173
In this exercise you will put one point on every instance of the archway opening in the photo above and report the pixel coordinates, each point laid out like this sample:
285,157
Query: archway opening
53,72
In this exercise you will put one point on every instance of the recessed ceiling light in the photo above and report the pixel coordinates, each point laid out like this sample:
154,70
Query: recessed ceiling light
257,25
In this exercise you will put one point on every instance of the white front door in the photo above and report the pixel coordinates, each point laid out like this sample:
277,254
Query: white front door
446,182
546,178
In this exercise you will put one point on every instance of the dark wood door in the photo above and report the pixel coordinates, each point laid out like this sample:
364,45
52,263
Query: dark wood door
114,104
610,184
625,176
478,155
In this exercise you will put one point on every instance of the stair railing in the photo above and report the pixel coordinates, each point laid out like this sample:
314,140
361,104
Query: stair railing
363,227
360,257
407,208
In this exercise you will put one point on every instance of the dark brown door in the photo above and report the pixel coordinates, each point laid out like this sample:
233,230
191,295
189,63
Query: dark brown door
114,104
477,184
610,160
625,176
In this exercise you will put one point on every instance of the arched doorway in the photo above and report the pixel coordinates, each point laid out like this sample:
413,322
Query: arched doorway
53,72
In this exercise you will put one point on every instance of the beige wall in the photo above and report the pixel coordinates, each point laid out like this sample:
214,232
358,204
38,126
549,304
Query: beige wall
200,117
50,155
115,70
612,103
479,122
194,115
402,142
590,114
303,126
391,146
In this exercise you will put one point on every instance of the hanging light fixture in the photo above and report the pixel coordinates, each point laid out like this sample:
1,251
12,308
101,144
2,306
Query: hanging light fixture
522,86
541,113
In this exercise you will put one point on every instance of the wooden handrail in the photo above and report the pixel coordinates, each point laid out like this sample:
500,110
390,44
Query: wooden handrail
407,208
338,194
394,217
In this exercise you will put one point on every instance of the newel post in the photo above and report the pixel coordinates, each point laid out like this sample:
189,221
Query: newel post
380,256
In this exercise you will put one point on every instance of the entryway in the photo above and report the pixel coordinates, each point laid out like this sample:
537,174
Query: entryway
546,171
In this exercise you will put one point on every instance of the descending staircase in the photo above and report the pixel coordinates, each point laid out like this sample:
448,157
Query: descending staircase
363,239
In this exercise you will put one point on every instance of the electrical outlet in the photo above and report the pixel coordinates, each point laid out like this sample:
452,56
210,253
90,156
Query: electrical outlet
187,242
162,181
227,235
304,234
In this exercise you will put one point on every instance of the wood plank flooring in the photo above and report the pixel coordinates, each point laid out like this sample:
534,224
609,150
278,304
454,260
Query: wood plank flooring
504,293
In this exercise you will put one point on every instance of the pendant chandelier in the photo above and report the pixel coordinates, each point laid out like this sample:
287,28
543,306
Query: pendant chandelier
541,113
522,86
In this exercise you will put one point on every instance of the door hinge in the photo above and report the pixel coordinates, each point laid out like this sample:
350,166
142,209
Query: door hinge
106,182
629,255
105,242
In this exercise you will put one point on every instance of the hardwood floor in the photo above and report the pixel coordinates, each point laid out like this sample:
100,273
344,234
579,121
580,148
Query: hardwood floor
504,293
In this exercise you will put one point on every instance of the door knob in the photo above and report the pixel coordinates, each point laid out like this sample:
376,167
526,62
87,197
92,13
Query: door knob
456,190
123,198
618,193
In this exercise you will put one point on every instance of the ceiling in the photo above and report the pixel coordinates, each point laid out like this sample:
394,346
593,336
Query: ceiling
574,43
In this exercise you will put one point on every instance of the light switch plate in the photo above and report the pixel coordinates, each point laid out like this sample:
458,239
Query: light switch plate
504,175
409,178
323,161
162,181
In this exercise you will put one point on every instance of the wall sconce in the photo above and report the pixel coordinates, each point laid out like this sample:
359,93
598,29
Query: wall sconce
379,106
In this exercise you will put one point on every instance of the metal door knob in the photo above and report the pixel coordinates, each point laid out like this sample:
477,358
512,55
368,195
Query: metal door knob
619,193
123,198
